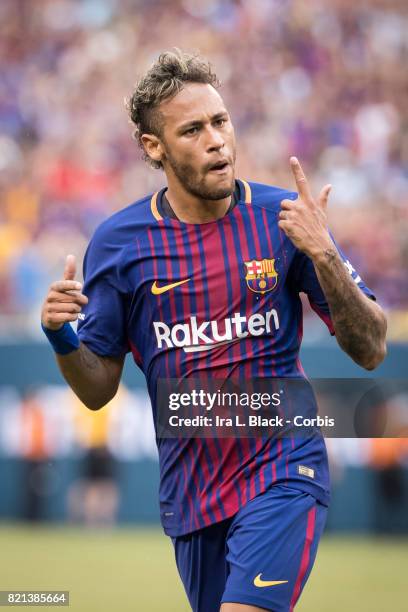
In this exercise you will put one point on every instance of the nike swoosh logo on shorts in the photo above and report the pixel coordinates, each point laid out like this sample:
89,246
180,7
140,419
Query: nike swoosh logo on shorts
258,582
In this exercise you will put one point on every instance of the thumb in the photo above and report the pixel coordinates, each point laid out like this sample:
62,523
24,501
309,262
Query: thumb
324,196
70,268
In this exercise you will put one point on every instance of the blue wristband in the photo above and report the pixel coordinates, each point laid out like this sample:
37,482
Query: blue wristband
63,340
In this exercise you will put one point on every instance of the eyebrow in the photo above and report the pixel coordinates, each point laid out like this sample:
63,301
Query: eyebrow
197,122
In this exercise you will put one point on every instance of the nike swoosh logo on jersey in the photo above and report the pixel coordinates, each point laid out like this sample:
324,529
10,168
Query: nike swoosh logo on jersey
159,290
258,582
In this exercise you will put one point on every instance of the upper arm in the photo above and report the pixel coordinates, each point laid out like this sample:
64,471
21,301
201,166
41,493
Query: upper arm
102,325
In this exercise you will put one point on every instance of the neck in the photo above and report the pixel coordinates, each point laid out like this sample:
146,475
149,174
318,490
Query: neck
189,208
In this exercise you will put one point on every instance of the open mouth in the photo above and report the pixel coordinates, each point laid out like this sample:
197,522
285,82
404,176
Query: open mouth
219,167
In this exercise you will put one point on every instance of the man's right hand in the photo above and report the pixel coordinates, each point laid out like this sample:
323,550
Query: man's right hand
64,300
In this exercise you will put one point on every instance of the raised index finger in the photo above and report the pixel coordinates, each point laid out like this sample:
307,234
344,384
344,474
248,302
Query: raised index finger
301,181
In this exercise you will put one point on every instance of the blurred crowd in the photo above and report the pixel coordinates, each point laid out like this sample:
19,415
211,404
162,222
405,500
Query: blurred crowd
326,81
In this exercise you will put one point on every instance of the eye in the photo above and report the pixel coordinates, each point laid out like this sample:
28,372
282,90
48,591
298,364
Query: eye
191,131
220,122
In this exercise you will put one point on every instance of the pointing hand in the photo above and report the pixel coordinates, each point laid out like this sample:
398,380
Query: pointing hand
304,220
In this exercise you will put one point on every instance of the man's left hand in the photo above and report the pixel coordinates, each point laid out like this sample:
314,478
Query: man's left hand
304,220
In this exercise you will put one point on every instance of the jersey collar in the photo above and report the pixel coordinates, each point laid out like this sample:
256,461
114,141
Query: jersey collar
245,196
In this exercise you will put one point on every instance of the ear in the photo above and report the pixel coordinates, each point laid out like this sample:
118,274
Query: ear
153,147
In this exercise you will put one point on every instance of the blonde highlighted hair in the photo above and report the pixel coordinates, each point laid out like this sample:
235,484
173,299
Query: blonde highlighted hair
166,78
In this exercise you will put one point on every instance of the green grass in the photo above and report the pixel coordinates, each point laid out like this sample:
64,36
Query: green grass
133,570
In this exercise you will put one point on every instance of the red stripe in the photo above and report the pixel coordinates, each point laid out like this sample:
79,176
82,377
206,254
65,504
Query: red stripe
199,284
300,336
271,254
255,234
155,271
185,359
250,307
136,355
262,476
253,472
279,448
195,462
207,494
304,564
242,236
193,516
170,296
214,479
218,307
230,464
215,287
236,269
283,238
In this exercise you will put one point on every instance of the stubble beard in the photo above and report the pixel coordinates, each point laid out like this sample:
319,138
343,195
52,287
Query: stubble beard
197,187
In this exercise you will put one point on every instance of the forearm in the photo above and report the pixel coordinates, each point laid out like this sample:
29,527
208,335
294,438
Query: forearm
94,379
359,323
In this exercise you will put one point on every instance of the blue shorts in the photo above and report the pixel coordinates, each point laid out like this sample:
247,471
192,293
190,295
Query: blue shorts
262,556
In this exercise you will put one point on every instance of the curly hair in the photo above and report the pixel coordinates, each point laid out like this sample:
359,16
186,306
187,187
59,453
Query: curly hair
166,78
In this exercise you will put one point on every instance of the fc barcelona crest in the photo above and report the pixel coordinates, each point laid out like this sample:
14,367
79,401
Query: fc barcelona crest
261,275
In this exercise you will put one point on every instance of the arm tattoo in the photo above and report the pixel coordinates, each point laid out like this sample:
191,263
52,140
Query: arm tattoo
92,377
359,322
88,359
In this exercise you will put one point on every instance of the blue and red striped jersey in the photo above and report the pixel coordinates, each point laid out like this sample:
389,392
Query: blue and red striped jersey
218,299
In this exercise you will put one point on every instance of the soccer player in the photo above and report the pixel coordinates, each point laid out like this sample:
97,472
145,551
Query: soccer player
203,278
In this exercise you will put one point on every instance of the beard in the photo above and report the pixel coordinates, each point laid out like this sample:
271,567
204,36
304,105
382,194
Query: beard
195,183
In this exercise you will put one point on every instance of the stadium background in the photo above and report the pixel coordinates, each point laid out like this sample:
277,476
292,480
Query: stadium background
325,81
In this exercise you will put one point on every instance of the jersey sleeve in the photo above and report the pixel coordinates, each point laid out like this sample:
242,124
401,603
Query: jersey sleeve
102,325
304,278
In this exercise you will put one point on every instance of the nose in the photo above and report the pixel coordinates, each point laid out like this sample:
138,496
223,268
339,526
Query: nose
215,139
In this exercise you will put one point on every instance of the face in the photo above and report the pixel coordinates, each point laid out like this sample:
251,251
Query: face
197,143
